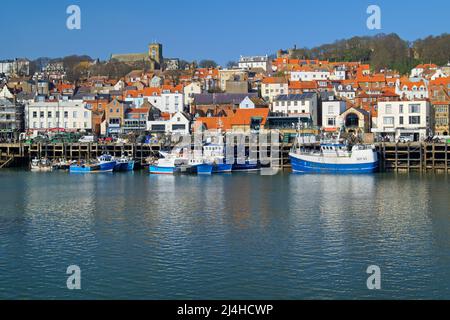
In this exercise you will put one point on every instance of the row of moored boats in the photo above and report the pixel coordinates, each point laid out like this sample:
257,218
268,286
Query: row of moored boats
332,157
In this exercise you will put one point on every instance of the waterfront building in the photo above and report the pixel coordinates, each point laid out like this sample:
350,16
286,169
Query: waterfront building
49,115
355,120
11,119
136,119
331,111
298,104
441,114
115,116
400,120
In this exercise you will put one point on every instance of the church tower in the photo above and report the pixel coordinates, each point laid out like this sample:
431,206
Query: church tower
155,53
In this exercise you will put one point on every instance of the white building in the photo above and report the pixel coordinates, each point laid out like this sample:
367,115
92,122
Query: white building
411,89
331,111
17,66
297,104
179,123
190,90
247,103
399,119
339,73
309,75
345,91
272,87
418,70
254,62
170,102
71,115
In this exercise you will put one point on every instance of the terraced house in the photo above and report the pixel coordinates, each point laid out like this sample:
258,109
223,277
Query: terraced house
441,118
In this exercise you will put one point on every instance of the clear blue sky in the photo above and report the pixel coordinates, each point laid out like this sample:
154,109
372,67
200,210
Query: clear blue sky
197,29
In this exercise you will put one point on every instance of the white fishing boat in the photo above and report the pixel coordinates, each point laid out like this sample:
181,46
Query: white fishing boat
43,165
335,157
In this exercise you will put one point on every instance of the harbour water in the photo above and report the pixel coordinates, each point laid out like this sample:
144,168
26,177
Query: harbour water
234,236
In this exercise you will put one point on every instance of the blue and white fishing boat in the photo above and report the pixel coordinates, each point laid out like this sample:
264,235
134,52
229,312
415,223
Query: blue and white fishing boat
124,163
170,165
335,158
213,160
104,163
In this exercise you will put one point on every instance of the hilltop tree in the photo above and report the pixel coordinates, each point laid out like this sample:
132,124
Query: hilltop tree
207,64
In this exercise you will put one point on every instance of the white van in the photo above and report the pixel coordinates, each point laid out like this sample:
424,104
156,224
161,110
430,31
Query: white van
86,139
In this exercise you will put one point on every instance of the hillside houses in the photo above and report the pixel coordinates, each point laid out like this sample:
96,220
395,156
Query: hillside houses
255,93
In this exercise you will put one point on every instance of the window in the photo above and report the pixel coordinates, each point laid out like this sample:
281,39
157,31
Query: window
34,114
401,108
178,127
34,124
388,109
388,120
331,110
74,114
331,122
57,114
66,114
41,114
74,125
158,127
401,120
414,120
49,125
49,114
414,108
85,114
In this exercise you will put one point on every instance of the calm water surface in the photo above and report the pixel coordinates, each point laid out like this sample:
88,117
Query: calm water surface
241,236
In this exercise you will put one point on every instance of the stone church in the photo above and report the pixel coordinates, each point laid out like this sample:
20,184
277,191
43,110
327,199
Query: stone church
154,56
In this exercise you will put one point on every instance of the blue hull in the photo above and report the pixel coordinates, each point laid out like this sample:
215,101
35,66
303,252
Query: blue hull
124,166
214,168
222,168
246,167
314,167
205,169
162,170
107,167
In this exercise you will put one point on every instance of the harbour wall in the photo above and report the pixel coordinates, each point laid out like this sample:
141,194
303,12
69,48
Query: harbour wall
414,156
